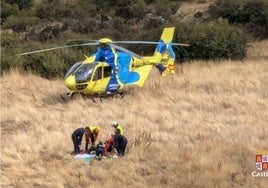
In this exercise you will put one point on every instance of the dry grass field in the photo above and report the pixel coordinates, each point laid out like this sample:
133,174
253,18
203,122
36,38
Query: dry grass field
200,127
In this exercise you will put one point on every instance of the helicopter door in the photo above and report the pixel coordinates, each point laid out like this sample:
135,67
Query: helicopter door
101,78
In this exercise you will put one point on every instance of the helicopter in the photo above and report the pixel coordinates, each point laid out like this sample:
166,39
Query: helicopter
112,68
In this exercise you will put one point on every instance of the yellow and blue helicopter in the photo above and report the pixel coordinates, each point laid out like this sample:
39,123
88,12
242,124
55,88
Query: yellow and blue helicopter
113,67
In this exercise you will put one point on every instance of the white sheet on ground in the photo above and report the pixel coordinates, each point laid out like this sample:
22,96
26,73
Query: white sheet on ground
84,156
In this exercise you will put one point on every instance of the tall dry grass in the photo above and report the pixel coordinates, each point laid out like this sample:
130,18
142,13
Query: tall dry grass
198,128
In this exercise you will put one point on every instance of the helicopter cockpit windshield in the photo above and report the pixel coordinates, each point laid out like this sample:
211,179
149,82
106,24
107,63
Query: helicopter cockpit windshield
72,69
84,72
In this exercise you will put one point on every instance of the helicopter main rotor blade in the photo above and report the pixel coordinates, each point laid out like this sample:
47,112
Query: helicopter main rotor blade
179,44
125,50
146,42
59,47
94,43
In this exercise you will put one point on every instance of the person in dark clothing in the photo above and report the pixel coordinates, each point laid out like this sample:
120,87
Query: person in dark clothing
120,144
77,137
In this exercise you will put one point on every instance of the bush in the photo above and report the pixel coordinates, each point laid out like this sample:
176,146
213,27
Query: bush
51,64
47,64
139,9
9,47
251,13
215,40
147,35
22,4
7,10
166,8
56,11
20,23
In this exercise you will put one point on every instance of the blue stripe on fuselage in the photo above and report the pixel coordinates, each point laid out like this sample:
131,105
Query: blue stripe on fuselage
124,74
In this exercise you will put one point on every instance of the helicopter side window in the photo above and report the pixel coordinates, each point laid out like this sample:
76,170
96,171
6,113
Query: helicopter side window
107,71
98,74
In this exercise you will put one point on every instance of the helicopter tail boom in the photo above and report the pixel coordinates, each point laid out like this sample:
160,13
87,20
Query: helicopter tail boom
164,56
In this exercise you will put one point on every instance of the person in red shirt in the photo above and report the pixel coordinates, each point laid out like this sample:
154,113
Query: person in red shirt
92,134
108,146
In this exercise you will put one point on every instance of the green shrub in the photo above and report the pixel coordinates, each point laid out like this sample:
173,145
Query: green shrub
9,47
148,1
47,64
124,12
8,40
139,9
22,4
251,13
152,34
215,40
20,23
51,64
119,24
134,10
8,10
51,11
166,8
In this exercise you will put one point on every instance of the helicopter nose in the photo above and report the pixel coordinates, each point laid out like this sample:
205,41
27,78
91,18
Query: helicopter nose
70,82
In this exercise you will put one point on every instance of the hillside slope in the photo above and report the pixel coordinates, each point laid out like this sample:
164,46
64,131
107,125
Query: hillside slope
199,128
188,11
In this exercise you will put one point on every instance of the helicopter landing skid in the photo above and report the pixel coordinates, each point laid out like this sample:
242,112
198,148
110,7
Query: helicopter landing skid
106,95
69,96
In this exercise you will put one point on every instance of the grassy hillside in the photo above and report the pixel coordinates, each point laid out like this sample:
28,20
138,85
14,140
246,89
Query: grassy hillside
205,125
